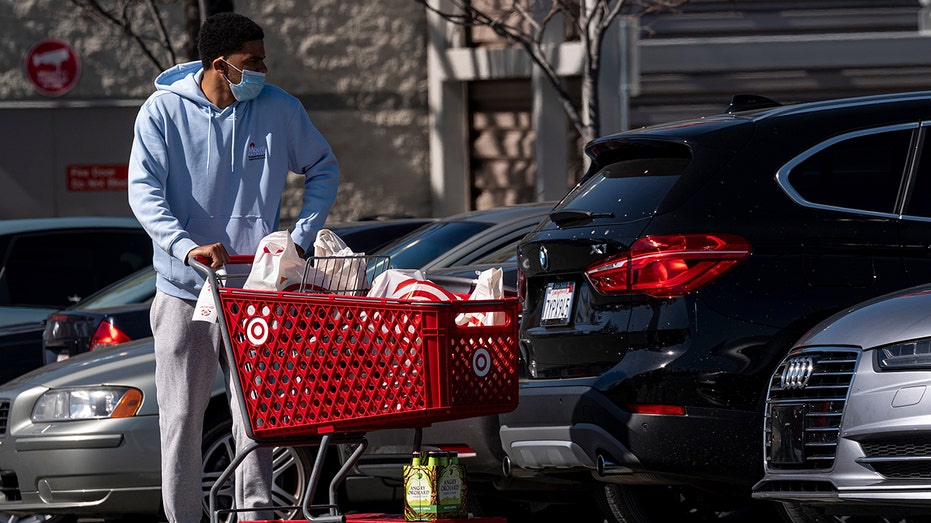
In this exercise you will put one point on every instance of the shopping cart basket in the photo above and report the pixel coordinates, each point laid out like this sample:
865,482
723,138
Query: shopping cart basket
309,365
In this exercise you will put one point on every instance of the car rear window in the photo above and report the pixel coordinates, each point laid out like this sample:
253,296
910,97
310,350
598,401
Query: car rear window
628,189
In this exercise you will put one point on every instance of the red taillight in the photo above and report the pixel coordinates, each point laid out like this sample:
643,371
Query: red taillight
670,265
651,408
107,334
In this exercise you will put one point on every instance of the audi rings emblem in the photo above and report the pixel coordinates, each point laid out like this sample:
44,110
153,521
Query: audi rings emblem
797,373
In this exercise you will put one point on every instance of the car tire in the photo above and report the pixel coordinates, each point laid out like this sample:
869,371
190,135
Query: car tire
795,513
291,470
662,503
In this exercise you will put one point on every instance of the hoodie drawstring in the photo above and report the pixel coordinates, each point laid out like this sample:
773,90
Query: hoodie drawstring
210,116
233,143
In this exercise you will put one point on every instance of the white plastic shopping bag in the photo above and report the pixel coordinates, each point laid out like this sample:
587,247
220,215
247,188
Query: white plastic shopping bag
488,286
386,283
277,266
205,309
328,243
344,269
403,284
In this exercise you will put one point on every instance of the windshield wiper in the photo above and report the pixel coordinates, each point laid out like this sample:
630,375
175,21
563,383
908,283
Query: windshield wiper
566,217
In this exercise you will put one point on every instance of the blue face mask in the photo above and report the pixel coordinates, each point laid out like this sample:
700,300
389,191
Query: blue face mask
249,87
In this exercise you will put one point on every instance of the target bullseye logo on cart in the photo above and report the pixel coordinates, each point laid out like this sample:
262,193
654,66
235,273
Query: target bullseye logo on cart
257,331
481,362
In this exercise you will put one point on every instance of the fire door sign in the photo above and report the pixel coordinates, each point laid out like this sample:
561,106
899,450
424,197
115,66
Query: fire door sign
52,66
87,178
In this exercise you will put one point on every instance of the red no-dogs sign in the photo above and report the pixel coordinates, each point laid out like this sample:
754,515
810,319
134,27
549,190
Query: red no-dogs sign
52,67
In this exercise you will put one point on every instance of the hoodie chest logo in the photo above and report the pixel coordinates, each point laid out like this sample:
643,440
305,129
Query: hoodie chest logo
256,152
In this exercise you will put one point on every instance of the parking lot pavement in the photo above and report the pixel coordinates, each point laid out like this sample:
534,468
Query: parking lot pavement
557,514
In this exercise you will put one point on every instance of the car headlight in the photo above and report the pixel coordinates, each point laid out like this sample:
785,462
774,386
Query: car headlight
87,403
915,354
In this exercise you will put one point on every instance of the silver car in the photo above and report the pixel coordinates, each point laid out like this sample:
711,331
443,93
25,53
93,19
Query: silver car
847,425
72,441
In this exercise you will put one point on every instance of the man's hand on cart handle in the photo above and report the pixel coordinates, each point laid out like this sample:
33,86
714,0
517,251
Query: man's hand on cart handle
215,253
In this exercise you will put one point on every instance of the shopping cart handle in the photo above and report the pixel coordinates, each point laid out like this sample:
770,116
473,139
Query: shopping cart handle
202,264
338,518
235,259
241,259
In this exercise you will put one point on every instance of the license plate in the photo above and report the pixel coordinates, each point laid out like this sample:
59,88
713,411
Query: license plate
788,434
557,303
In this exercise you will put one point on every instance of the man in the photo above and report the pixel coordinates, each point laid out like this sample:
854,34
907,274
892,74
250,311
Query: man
212,150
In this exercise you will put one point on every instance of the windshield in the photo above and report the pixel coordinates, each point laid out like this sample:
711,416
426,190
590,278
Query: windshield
427,243
138,287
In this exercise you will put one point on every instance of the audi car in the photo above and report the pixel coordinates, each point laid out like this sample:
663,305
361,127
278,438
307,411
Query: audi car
848,423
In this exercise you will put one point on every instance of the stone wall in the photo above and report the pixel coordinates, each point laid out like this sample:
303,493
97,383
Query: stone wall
359,68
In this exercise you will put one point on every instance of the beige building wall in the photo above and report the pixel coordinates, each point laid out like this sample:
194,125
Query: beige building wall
690,61
359,68
423,123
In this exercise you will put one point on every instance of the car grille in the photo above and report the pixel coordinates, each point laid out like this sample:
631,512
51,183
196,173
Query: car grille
900,458
795,486
9,486
806,401
4,416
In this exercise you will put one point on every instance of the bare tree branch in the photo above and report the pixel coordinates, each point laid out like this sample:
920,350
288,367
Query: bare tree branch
162,31
519,25
120,17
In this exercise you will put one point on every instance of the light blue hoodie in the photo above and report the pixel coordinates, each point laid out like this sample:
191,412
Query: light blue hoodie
199,174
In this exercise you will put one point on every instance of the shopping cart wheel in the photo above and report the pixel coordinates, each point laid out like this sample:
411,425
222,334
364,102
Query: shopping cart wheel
291,471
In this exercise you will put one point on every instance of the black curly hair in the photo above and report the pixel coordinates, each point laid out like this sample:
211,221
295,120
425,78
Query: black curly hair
224,34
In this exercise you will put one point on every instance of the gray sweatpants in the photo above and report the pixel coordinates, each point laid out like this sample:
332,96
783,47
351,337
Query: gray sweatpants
187,355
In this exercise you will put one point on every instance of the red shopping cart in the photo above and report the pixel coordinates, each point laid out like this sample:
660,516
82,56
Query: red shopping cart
313,366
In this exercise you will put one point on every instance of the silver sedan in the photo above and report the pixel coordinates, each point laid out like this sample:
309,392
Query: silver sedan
73,443
847,425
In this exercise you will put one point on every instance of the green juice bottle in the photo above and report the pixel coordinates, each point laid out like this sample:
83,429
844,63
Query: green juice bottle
451,488
419,490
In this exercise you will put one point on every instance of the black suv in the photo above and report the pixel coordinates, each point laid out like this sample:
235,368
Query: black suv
664,289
